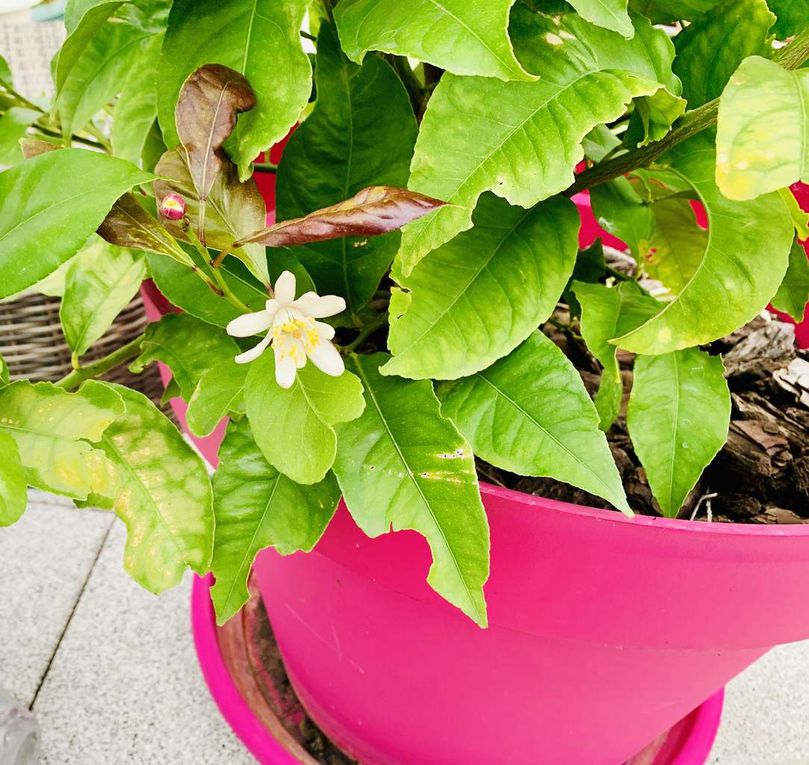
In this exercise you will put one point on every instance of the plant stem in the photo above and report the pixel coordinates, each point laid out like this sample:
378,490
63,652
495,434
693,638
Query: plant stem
222,287
116,358
365,333
265,167
414,88
77,138
790,56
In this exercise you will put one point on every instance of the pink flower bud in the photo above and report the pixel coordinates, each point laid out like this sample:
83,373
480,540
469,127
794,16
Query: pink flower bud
172,206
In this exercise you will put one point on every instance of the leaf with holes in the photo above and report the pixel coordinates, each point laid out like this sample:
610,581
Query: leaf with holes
257,507
529,413
294,428
462,38
41,223
361,133
678,418
744,262
479,296
402,471
757,154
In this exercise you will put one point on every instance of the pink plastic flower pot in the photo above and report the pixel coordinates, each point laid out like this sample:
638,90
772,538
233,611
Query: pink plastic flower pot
604,633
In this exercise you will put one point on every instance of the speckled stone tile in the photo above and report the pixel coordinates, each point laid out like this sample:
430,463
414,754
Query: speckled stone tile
45,560
766,716
125,686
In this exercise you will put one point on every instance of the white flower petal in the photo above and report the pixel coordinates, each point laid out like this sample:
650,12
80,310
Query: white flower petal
320,306
285,288
254,352
326,331
250,324
327,359
285,370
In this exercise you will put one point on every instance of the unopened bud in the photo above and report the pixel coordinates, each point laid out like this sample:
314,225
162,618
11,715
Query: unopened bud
172,206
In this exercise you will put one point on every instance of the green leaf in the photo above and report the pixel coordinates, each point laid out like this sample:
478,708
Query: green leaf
677,245
75,11
458,36
710,49
361,133
527,135
793,294
97,74
744,262
13,486
136,108
83,21
165,497
530,413
294,427
219,392
258,507
232,209
800,217
13,126
621,211
661,11
755,152
187,346
476,298
5,72
402,465
607,313
610,14
258,38
43,222
54,431
678,418
793,17
100,282
4,372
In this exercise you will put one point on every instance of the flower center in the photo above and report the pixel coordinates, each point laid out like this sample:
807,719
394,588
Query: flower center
293,333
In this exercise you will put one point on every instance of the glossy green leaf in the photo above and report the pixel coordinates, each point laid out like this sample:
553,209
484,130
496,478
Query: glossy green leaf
14,126
755,152
83,21
4,372
661,11
165,497
361,133
258,507
97,75
136,107
258,38
42,223
455,35
744,262
232,209
800,217
610,14
5,72
793,17
294,427
607,313
527,136
219,392
99,284
76,9
530,413
54,431
793,294
13,486
677,245
185,345
476,298
621,211
402,465
710,49
678,418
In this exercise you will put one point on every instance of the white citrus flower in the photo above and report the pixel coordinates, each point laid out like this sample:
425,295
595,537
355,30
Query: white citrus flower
293,331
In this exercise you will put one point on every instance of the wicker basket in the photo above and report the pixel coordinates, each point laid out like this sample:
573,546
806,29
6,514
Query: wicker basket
33,346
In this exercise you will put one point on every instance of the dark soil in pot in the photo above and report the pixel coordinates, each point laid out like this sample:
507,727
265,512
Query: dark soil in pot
762,473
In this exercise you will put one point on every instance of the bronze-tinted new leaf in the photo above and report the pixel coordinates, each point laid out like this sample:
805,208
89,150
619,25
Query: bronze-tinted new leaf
209,102
128,225
33,147
370,212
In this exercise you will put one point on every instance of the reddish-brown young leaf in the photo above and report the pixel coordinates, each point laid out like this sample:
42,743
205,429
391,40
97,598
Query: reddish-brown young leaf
209,102
370,212
33,147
